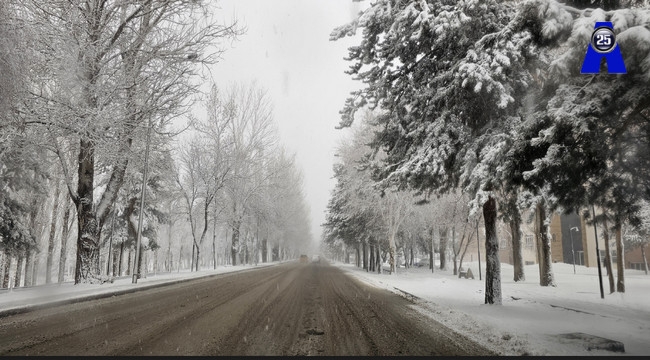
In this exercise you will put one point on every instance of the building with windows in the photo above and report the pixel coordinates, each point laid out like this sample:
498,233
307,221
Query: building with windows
573,239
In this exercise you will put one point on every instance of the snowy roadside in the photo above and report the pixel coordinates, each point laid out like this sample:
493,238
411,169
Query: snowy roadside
21,299
531,316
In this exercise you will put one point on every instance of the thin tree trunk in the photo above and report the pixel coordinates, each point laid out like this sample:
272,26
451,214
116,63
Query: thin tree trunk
2,268
620,258
431,252
192,260
453,247
198,257
391,253
119,264
645,261
493,265
608,258
64,240
50,242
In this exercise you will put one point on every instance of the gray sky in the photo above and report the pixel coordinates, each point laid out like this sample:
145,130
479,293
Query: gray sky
286,49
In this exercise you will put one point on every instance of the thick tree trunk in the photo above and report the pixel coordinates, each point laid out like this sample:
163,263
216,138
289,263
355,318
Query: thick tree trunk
357,257
365,257
19,269
87,266
620,258
378,260
34,269
30,276
139,271
50,242
265,251
517,258
608,258
235,242
372,257
7,269
546,272
442,250
129,260
493,265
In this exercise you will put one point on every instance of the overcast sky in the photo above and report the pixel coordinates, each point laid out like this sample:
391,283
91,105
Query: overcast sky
286,49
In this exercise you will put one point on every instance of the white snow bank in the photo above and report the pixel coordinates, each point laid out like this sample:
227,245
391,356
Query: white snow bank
531,314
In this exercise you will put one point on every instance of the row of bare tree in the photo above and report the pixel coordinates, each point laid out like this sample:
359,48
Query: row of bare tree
87,87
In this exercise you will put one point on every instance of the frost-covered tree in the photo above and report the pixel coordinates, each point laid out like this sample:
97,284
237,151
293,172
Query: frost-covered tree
586,139
639,236
107,70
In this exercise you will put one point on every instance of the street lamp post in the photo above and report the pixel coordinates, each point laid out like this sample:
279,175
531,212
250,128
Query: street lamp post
478,242
573,254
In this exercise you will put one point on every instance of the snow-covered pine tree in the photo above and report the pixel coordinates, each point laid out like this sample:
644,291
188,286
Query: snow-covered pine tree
588,136
448,79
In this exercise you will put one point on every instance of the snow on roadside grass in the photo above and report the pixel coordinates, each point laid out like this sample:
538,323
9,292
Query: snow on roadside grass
20,297
531,315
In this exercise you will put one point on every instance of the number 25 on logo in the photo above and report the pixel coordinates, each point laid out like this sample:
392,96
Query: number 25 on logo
603,45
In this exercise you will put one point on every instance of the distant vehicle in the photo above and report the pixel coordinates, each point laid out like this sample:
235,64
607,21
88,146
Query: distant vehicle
304,259
315,259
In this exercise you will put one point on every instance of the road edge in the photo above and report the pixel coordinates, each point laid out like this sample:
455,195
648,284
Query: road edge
82,298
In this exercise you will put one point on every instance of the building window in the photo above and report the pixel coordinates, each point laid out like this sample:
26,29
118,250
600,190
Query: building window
529,240
614,257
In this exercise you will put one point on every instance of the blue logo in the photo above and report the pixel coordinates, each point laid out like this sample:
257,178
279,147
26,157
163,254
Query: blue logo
603,45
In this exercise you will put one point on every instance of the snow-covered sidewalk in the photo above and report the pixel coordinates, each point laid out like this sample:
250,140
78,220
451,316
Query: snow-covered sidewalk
21,299
531,316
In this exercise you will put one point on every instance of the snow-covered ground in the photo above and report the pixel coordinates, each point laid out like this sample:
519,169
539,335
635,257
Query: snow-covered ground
525,324
531,315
